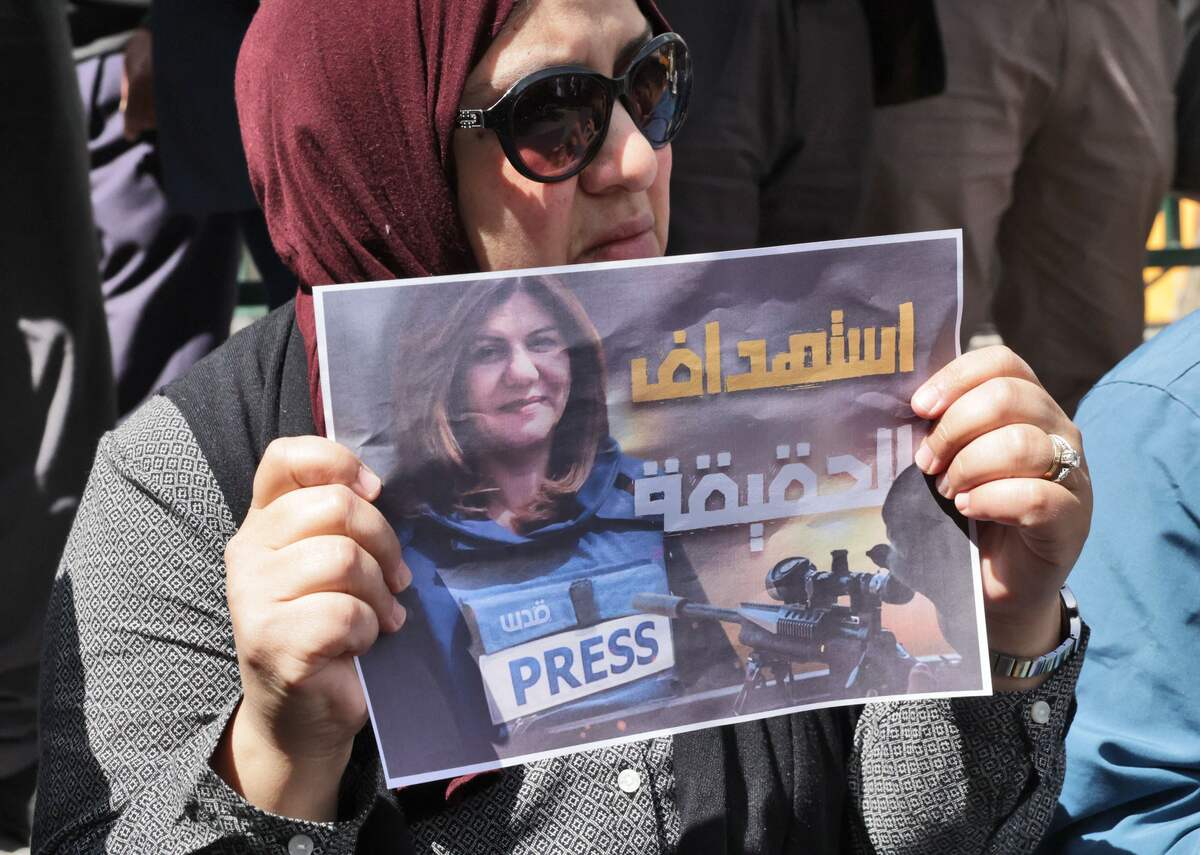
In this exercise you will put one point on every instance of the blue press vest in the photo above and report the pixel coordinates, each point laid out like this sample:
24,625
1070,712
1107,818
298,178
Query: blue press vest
480,583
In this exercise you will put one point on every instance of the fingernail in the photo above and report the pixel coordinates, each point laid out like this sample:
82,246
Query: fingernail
962,501
398,615
923,458
943,485
368,482
927,399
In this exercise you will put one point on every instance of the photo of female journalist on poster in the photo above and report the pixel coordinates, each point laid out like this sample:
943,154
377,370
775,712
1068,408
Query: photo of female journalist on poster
518,525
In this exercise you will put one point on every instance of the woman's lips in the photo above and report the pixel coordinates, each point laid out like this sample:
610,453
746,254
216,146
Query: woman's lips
632,239
523,404
644,245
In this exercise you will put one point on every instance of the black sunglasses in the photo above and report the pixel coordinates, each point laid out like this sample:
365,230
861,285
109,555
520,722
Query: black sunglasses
552,123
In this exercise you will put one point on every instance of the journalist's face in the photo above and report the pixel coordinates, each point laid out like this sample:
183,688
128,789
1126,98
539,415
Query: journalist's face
617,207
518,377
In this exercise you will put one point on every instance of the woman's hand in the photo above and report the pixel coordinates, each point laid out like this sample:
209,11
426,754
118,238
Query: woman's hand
311,577
990,448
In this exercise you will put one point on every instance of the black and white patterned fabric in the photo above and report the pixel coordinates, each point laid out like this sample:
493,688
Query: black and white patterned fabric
912,790
140,678
523,813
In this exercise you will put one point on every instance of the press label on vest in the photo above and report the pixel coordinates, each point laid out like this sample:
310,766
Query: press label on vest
562,668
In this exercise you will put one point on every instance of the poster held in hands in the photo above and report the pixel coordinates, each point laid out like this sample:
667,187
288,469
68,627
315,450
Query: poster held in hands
719,516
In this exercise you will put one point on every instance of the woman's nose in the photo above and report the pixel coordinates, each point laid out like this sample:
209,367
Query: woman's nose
521,368
626,159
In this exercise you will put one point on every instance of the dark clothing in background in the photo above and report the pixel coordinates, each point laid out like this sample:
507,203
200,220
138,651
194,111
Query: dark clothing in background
775,146
91,20
1187,105
1051,148
169,278
169,260
195,53
55,381
204,167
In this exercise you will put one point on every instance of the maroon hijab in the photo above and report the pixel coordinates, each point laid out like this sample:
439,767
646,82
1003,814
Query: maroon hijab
347,109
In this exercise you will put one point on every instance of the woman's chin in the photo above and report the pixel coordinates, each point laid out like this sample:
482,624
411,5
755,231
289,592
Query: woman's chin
519,442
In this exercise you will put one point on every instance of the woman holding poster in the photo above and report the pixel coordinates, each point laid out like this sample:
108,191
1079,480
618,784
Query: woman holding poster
228,564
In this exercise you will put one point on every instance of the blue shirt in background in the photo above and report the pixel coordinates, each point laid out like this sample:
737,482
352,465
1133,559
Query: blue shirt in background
1133,752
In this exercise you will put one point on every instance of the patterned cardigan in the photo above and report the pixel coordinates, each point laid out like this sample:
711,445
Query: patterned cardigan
140,677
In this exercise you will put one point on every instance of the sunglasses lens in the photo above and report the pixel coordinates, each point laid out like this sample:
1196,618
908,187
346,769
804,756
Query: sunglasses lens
658,92
557,122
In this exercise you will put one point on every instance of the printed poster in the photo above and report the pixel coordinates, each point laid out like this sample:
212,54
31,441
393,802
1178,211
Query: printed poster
646,497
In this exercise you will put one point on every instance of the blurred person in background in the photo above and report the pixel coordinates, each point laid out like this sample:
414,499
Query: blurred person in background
1052,147
169,278
194,52
170,191
775,148
55,380
1133,752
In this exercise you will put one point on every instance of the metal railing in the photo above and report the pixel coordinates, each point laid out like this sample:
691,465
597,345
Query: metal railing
1173,253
